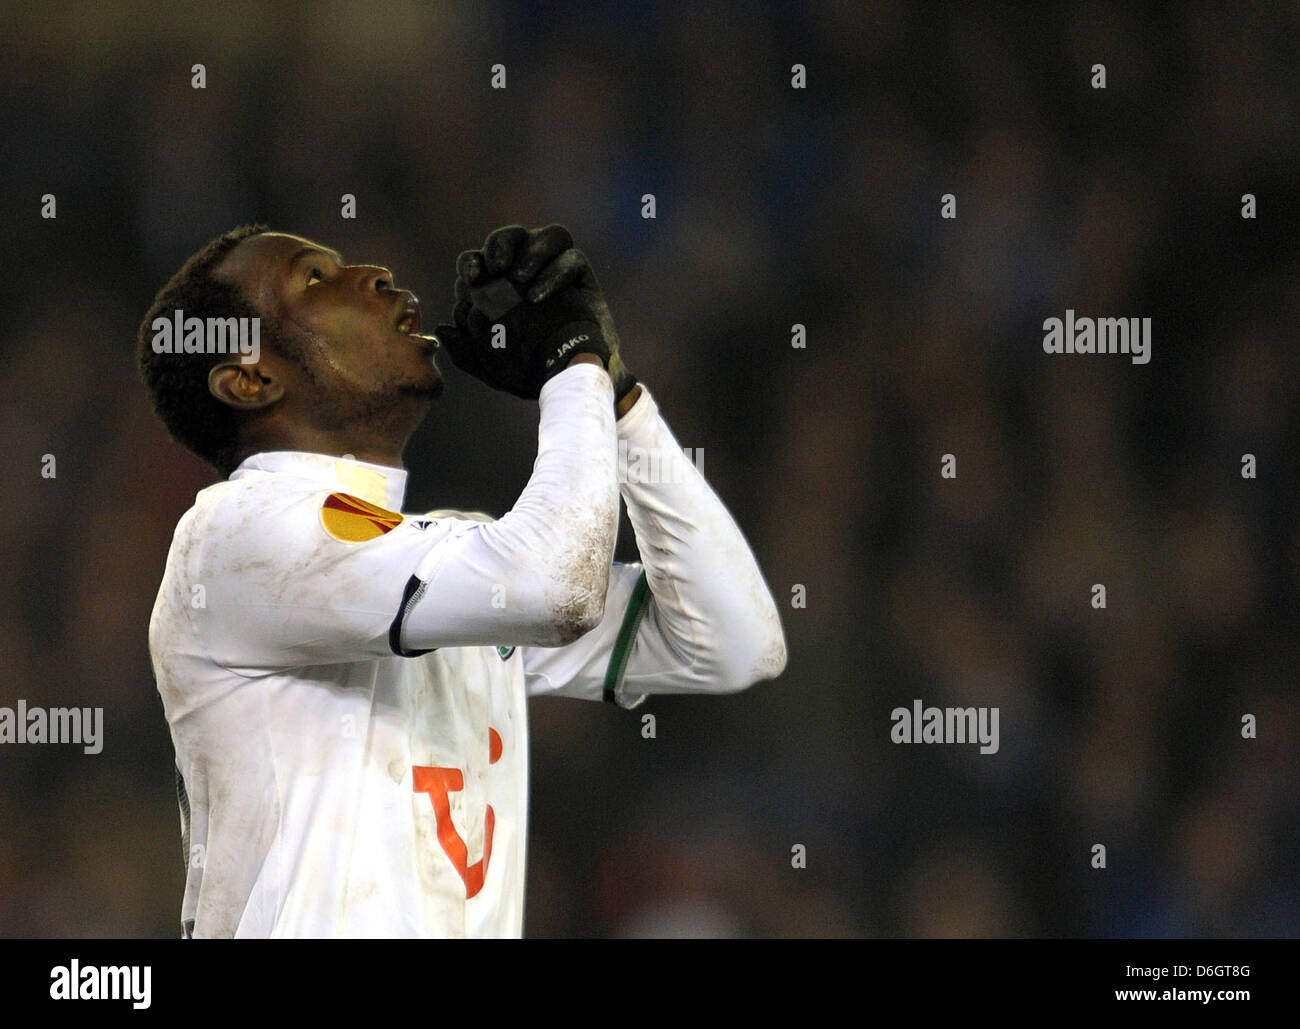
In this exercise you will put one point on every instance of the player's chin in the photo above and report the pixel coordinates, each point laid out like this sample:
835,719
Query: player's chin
428,387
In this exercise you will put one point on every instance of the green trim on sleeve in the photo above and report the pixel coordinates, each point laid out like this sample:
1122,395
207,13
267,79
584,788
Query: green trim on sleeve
626,634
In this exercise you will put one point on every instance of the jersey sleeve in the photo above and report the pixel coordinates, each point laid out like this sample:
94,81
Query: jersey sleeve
696,617
595,667
295,575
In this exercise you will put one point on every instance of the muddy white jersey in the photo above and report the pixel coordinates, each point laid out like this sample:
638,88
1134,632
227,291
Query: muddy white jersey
346,684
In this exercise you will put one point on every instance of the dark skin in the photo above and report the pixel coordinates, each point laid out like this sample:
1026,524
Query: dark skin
364,380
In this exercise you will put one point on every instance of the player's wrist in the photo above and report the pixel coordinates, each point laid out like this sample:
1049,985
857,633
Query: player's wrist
632,390
577,339
625,403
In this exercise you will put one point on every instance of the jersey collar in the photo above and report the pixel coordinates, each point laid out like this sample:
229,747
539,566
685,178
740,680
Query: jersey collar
375,483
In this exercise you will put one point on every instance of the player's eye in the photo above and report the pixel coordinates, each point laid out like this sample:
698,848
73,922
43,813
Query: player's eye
314,273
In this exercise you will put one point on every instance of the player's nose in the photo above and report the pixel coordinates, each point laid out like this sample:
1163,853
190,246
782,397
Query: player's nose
375,278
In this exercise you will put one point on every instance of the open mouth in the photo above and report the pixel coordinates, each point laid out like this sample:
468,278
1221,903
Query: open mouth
408,317
406,320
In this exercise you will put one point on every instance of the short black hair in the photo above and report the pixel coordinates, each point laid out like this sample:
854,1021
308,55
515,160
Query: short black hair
179,389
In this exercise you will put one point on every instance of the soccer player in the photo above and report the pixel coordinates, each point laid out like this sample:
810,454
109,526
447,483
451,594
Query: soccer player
345,683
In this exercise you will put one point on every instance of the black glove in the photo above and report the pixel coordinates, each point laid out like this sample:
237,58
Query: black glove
545,295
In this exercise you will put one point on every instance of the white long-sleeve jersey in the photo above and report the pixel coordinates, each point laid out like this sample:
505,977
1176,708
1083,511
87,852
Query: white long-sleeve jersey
346,685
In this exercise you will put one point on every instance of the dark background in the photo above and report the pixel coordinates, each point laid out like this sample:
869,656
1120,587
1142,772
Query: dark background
776,206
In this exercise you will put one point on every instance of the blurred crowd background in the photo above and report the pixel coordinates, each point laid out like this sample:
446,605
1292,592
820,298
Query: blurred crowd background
775,206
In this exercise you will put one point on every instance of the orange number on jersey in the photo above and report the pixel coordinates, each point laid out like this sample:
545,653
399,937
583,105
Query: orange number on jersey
439,784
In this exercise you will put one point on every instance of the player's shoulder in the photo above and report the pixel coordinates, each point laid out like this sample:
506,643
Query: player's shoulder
280,520
269,519
253,502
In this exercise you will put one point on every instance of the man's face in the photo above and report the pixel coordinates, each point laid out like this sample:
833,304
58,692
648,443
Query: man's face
354,334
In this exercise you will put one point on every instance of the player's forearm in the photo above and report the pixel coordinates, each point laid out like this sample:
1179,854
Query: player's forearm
710,598
556,544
